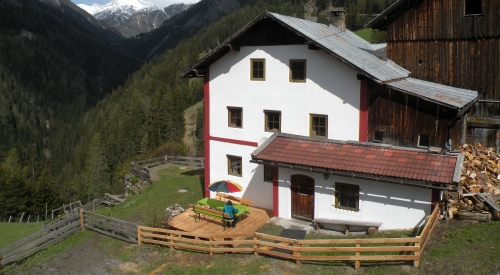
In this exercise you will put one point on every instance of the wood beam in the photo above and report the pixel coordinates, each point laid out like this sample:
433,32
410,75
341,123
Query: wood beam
312,46
234,47
483,122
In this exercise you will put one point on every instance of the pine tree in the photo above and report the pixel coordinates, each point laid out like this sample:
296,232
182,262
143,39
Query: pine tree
15,193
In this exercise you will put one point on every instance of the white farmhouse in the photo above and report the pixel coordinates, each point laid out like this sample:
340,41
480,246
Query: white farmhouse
283,95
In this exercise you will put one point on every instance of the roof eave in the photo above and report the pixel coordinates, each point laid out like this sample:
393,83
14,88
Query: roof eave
375,22
402,181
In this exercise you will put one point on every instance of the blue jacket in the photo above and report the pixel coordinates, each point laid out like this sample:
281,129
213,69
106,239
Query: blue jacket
230,209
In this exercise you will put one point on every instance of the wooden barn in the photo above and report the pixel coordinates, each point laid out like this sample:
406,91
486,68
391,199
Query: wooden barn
455,43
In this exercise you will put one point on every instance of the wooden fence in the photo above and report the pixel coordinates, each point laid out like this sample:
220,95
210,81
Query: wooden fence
39,240
58,231
356,250
381,249
140,168
112,227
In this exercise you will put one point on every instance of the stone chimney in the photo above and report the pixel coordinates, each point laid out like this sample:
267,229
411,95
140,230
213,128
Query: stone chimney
337,17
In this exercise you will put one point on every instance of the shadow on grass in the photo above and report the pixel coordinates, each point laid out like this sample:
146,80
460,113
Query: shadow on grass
201,174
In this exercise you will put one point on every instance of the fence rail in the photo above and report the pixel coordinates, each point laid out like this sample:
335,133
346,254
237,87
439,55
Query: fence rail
115,228
140,168
381,249
40,240
356,250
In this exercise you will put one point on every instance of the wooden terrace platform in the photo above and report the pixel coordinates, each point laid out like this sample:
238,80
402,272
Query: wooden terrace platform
208,225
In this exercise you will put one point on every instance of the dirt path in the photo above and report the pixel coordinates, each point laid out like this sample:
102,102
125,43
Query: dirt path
153,171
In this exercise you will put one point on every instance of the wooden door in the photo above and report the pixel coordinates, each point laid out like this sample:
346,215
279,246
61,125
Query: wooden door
302,197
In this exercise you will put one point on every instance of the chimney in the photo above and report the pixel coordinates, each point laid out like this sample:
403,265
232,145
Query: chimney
337,17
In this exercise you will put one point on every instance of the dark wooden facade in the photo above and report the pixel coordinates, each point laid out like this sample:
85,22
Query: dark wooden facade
402,118
437,41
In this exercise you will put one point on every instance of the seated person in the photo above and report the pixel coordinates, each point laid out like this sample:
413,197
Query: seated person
229,209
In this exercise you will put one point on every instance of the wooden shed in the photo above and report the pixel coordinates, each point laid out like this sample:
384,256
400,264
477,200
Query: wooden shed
455,43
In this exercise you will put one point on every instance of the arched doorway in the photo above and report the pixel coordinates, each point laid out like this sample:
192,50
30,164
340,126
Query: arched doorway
302,197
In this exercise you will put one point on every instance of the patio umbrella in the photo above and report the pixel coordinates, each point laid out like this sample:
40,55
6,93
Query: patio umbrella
225,186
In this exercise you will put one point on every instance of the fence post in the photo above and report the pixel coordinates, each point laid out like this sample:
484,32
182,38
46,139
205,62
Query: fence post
21,219
172,241
139,238
416,263
357,263
211,246
255,245
82,225
296,253
29,216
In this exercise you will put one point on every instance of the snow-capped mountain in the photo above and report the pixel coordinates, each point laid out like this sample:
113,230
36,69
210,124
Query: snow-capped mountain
131,17
121,9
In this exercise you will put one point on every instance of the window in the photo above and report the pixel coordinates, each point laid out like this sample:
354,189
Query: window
378,136
235,117
423,141
258,69
319,126
273,121
347,196
473,7
234,165
268,173
297,70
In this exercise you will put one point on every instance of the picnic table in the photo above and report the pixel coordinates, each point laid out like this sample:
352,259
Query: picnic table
219,205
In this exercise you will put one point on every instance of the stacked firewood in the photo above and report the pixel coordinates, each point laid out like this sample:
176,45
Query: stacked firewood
480,174
481,169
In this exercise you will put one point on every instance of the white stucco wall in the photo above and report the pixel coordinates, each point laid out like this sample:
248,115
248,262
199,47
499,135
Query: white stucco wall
331,89
254,188
396,206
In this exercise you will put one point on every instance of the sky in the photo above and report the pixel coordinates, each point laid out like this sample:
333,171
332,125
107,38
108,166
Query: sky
158,3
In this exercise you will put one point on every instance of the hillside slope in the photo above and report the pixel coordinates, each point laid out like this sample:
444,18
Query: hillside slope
181,27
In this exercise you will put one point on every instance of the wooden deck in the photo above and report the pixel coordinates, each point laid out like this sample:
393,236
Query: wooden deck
208,225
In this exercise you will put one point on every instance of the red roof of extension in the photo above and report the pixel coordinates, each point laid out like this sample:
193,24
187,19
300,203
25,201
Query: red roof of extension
358,157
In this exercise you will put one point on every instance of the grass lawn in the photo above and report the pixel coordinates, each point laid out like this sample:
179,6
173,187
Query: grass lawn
11,232
161,194
365,34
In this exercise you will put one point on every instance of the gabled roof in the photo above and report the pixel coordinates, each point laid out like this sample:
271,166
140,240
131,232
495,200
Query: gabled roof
377,160
367,59
383,16
343,45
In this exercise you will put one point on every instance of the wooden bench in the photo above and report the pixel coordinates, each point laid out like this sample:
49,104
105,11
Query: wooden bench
226,197
372,226
200,210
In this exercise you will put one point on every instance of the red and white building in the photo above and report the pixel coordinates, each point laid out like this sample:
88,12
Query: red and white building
283,96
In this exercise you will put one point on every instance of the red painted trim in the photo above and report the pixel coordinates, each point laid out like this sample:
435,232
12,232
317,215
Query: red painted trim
206,95
435,197
235,141
275,191
363,111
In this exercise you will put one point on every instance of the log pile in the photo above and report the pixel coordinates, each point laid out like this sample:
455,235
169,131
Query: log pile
113,200
480,171
479,185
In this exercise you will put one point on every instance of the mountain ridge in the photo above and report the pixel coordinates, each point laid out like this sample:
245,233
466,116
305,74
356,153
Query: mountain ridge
131,17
